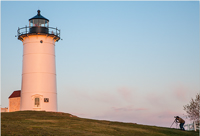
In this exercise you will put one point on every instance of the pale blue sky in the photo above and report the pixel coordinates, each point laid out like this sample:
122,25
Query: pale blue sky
117,60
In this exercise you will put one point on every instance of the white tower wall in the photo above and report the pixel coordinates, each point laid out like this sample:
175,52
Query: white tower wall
39,73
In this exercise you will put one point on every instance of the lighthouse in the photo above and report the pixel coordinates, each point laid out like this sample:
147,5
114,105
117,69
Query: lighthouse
38,88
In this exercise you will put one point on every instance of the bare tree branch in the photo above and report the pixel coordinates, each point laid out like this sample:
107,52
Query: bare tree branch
192,109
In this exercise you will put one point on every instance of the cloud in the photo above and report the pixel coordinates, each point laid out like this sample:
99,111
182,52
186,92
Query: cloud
180,92
152,97
164,117
123,109
128,109
144,116
141,109
81,94
106,97
126,94
155,99
126,105
94,96
114,97
168,114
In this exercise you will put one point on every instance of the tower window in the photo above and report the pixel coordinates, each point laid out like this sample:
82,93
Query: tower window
46,99
37,102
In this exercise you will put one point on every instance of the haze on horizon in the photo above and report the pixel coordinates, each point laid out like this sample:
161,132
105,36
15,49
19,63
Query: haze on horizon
120,61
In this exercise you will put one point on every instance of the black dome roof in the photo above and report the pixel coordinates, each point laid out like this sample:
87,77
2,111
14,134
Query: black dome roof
38,16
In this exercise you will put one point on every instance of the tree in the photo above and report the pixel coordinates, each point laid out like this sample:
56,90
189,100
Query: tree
192,109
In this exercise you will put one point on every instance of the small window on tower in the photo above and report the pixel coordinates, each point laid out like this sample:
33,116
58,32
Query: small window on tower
37,102
46,99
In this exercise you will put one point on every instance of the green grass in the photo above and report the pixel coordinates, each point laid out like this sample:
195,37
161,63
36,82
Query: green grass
40,123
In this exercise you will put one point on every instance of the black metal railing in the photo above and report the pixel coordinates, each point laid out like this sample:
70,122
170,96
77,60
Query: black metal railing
45,30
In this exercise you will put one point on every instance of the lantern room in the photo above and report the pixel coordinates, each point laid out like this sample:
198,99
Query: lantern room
38,25
38,20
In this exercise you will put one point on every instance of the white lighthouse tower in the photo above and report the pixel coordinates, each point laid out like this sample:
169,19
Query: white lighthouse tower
38,90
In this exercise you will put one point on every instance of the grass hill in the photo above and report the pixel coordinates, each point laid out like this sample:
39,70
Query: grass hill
41,123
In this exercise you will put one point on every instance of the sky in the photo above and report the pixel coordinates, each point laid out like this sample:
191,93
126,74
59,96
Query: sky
120,61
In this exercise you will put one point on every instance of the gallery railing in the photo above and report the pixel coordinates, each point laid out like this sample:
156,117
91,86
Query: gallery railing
38,30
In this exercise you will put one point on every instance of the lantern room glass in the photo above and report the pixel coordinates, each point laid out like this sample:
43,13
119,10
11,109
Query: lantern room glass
38,23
